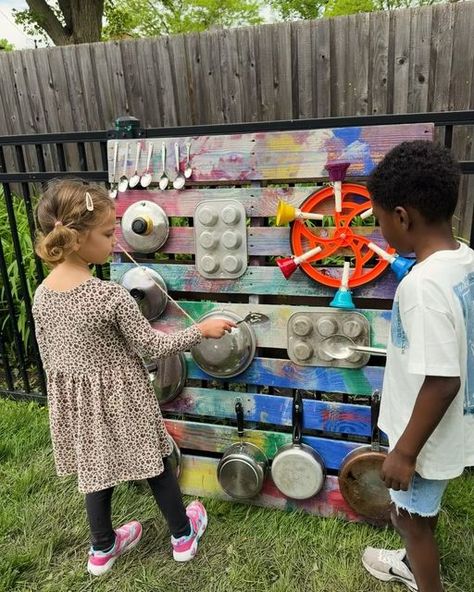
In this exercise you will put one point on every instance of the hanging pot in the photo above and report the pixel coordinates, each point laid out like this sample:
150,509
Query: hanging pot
360,478
242,469
151,300
175,457
230,355
168,376
145,227
297,469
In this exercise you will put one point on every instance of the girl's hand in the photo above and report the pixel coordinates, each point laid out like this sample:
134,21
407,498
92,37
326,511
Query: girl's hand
398,470
215,328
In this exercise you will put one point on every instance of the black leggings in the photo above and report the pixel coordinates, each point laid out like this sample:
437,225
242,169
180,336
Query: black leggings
167,494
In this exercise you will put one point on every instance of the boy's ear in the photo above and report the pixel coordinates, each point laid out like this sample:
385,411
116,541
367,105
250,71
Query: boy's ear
403,218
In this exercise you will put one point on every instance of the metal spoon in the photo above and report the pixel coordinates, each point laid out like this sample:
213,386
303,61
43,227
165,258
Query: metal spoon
123,183
188,171
163,182
113,187
136,177
340,347
179,182
254,318
146,177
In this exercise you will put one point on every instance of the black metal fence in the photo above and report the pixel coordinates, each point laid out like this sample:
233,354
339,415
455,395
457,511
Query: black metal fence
27,162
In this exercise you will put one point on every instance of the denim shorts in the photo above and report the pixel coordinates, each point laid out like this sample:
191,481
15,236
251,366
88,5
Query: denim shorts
423,496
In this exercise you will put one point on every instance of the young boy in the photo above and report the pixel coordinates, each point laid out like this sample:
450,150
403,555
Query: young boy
427,407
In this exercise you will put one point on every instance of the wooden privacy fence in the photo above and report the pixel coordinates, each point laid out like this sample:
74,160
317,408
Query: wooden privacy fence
201,418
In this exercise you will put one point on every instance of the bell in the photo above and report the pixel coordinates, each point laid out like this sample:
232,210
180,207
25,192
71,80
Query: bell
287,213
288,265
400,265
337,174
343,297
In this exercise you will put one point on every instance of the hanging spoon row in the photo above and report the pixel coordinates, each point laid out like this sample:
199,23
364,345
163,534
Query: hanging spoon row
144,179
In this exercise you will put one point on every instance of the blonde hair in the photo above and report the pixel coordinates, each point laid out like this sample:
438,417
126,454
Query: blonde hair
65,211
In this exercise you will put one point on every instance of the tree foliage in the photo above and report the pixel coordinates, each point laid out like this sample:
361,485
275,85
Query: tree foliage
5,45
83,21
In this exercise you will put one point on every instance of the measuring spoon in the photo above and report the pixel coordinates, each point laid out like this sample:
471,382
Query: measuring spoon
188,171
180,180
163,182
340,347
146,177
113,187
136,177
123,183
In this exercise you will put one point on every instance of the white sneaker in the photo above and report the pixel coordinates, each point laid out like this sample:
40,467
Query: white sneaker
388,566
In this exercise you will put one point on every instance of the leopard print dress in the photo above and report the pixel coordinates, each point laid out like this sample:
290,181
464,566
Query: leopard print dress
106,424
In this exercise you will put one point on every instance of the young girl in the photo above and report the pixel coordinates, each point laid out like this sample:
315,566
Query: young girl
106,424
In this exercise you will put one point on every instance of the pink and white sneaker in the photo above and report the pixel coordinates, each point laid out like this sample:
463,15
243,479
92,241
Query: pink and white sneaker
185,548
126,537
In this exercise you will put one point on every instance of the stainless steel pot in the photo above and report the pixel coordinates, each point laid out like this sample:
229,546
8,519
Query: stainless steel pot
297,469
243,467
145,227
232,354
151,300
175,457
168,376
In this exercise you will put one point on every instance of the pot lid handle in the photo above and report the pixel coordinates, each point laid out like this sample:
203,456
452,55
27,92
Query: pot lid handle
374,418
297,417
239,411
137,293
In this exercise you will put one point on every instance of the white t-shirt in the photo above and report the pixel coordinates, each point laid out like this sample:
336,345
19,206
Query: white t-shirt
432,334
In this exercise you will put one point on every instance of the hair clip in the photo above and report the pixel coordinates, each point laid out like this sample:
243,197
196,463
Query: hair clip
58,223
89,202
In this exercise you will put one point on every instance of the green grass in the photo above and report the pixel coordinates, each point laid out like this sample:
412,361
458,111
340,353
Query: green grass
43,535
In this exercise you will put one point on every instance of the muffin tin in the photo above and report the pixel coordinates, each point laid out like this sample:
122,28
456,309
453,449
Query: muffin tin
220,232
307,331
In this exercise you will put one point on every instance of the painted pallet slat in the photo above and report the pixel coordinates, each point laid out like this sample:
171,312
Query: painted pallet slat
280,156
326,416
260,280
273,334
263,241
257,201
199,477
285,374
212,438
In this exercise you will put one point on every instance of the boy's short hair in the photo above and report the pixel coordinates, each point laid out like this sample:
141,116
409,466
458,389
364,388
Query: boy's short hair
417,174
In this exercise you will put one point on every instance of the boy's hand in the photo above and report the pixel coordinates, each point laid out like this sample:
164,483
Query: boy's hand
216,328
398,470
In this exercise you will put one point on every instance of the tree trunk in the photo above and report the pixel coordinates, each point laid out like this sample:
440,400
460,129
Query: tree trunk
82,20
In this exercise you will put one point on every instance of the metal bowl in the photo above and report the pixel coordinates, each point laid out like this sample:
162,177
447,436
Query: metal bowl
151,300
168,376
230,355
145,226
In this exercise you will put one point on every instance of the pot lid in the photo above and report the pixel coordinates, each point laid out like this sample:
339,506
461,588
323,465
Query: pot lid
151,300
168,376
145,226
230,355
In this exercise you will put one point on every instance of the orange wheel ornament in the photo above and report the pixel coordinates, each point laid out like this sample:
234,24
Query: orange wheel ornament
355,201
